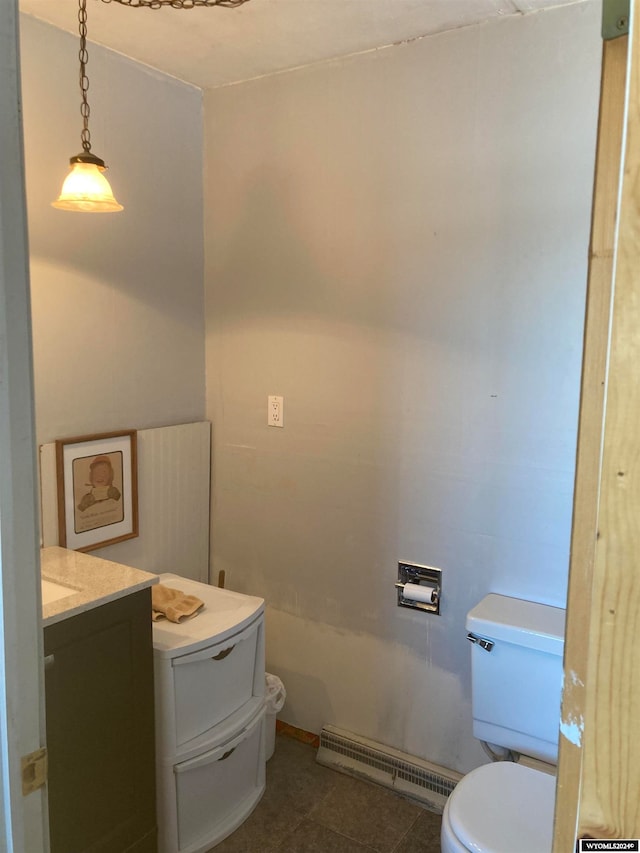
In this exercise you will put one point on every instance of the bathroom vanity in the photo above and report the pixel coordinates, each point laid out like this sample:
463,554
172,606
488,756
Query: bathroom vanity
99,704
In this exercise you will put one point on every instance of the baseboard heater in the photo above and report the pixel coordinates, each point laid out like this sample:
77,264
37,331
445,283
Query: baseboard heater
405,774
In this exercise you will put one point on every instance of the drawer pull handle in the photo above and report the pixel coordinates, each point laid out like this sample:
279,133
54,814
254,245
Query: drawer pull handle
227,754
223,654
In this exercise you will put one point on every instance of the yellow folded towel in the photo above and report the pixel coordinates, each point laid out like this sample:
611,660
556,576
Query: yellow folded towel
172,604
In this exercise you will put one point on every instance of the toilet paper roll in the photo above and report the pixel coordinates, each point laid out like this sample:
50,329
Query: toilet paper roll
417,592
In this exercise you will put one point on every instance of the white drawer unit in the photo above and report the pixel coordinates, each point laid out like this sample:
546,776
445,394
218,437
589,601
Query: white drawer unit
200,690
209,686
206,797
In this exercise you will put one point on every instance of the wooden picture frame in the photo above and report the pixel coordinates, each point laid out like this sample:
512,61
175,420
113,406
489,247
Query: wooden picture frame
97,478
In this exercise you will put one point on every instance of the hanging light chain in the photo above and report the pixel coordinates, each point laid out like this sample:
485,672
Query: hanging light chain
83,56
177,4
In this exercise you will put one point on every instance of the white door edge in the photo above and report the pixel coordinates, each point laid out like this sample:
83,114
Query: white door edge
23,824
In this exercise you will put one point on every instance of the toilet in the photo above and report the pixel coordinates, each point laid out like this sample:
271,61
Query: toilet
516,674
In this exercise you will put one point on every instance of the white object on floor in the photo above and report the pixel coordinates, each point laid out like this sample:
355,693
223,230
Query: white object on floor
500,808
516,669
210,712
274,699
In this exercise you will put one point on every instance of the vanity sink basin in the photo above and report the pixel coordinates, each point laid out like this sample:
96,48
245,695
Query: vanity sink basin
52,591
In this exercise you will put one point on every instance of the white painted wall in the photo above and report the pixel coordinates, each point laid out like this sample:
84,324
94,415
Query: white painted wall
117,299
397,244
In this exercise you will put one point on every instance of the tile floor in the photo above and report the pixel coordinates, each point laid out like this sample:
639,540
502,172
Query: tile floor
308,808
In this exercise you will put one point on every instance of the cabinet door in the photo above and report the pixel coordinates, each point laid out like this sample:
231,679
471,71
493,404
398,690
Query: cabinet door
100,729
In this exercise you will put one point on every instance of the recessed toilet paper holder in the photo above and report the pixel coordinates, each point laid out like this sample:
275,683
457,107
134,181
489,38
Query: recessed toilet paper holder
428,581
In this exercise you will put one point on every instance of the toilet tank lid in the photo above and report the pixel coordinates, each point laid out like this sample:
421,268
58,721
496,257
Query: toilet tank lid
523,623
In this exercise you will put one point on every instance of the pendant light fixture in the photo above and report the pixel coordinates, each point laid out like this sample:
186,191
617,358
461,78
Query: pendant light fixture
85,188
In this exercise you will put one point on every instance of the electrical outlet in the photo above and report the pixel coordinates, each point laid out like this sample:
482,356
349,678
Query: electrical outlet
275,411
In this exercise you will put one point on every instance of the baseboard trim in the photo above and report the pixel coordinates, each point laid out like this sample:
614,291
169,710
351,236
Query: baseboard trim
297,734
413,777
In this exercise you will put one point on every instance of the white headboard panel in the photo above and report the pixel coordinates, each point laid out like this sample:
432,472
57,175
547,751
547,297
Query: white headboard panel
173,502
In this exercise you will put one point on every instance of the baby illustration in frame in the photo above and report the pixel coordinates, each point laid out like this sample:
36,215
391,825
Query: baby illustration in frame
98,482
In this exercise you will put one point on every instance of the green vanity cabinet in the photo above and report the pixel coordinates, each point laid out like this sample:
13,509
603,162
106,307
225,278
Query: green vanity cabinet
100,729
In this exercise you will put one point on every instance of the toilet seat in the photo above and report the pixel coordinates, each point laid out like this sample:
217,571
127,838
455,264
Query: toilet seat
499,808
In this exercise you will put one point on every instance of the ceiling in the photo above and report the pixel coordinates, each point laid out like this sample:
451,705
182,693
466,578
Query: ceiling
213,47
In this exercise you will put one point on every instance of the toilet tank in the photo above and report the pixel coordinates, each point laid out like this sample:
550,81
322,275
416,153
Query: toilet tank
516,685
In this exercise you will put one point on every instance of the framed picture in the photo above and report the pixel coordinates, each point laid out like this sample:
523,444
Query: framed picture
97,490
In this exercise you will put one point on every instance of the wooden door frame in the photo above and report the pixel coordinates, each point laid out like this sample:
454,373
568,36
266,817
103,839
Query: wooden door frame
599,763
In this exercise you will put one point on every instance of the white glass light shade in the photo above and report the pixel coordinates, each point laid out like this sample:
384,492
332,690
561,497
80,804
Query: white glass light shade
86,189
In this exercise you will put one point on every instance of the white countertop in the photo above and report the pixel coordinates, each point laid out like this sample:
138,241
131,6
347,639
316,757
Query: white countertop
92,582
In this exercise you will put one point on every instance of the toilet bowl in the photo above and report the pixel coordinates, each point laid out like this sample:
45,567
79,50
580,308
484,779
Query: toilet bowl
500,808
